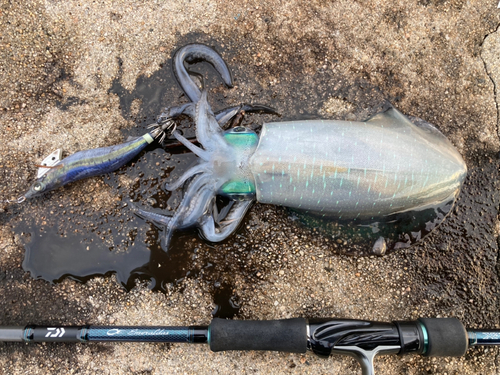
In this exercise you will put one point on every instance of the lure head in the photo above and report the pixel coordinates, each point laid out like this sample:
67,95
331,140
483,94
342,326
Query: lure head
38,187
54,178
46,178
240,184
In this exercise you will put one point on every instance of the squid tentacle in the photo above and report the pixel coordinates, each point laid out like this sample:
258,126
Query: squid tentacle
157,219
227,114
193,148
192,53
193,206
233,220
208,131
200,168
174,112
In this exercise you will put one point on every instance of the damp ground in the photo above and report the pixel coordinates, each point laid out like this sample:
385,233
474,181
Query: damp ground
79,75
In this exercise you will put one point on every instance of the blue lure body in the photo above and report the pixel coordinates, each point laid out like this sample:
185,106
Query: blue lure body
89,163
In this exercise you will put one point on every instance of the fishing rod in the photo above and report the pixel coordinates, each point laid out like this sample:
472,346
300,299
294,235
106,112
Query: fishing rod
361,339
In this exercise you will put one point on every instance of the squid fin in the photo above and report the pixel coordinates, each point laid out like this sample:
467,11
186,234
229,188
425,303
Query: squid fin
391,118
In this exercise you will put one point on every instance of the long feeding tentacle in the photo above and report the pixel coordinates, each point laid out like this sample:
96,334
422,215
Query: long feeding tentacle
198,52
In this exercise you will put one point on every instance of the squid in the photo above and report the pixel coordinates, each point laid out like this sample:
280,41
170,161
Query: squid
372,172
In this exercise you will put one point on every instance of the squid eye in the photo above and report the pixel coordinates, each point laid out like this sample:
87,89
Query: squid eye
239,129
38,186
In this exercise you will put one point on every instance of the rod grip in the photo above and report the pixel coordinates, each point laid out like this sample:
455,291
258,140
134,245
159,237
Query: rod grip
287,335
447,337
11,333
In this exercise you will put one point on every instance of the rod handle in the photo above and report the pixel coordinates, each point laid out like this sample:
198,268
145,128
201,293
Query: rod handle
446,337
287,335
11,333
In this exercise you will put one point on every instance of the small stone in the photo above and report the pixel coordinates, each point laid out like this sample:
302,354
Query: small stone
379,247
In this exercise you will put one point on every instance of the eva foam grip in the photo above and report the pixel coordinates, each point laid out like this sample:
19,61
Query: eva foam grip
447,337
288,335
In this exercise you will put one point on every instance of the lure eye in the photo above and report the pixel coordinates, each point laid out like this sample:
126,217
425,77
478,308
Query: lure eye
38,186
239,129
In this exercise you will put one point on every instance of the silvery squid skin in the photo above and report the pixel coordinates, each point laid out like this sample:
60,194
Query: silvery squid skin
343,170
350,170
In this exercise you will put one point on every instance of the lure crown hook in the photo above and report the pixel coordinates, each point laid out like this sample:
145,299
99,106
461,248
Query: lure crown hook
19,200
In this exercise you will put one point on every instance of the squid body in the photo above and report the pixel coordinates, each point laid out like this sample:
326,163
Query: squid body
368,171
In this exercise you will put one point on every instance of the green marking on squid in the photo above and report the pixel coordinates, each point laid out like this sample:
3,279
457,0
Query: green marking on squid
238,187
425,182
